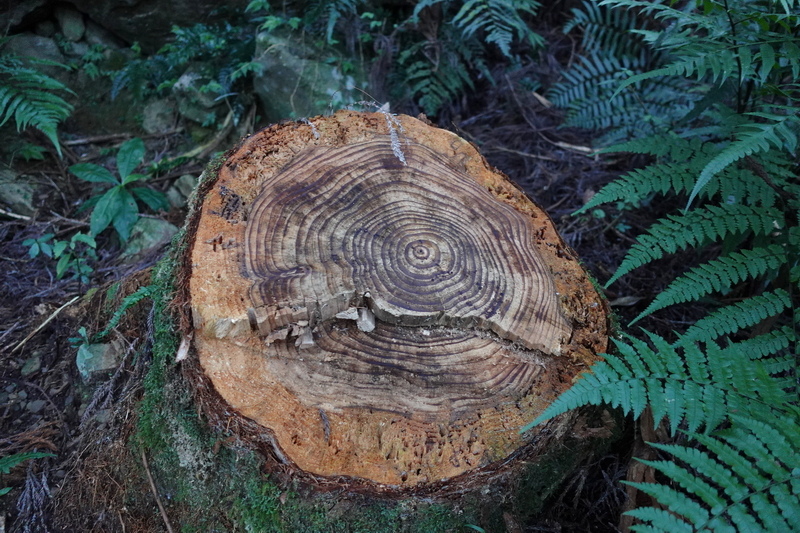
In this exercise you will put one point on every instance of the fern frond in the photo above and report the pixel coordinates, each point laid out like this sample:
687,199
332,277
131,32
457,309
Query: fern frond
682,161
740,315
329,12
30,98
720,63
606,30
680,381
751,467
719,275
129,301
764,345
752,137
696,227
587,93
500,20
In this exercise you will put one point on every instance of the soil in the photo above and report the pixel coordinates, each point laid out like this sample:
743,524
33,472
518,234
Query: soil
46,406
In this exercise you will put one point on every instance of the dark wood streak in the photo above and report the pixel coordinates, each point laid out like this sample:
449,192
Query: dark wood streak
356,204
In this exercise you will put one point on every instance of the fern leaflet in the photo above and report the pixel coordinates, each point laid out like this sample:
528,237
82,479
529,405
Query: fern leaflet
752,137
718,275
696,227
752,465
31,98
129,301
500,20
681,382
740,315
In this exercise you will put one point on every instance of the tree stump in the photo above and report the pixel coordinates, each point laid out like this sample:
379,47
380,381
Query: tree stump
367,291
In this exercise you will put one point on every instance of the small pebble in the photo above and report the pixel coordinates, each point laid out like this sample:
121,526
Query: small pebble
32,365
36,405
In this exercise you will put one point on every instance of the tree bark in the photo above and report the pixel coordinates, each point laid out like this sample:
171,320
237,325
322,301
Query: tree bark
366,290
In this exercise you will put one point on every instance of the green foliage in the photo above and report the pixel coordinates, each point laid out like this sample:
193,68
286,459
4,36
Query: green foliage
686,382
10,461
118,206
222,55
750,471
31,97
745,479
142,293
74,255
432,55
728,384
454,51
434,83
613,50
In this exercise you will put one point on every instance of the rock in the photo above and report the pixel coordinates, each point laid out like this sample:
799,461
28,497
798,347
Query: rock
16,193
158,116
293,83
93,359
181,189
148,235
35,406
29,45
193,103
77,49
71,23
32,365
12,13
150,23
45,28
96,34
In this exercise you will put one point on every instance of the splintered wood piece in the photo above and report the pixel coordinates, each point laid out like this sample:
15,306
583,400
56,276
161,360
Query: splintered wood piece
391,308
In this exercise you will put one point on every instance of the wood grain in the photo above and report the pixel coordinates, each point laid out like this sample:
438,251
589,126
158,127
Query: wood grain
388,305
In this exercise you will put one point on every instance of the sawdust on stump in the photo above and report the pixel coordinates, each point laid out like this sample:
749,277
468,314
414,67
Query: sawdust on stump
383,303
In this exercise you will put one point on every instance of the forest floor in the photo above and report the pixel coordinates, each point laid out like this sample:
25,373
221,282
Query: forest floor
43,399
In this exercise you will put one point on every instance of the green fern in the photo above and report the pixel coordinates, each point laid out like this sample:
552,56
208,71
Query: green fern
752,137
606,30
679,163
613,51
682,381
32,98
697,227
499,20
741,315
435,82
330,12
733,157
746,479
719,275
129,301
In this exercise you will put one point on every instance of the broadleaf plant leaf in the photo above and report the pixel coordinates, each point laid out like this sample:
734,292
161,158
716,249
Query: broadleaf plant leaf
106,210
93,173
127,215
155,200
130,156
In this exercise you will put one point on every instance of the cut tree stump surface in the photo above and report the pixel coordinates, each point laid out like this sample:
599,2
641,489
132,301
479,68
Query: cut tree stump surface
388,306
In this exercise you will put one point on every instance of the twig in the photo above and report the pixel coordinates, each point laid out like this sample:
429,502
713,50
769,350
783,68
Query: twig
75,223
117,137
43,324
14,215
202,151
97,138
517,152
155,493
